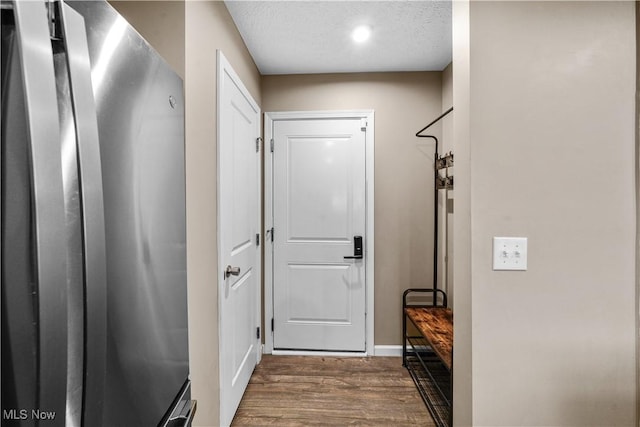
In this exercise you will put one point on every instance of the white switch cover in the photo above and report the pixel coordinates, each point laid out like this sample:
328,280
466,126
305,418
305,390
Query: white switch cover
509,253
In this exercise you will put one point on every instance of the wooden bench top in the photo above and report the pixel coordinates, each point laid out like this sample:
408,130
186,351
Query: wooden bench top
436,326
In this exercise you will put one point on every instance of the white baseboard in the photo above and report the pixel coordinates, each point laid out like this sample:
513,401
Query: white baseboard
319,353
379,350
388,350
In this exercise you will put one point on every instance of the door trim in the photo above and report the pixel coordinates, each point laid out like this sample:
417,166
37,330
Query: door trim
224,66
269,119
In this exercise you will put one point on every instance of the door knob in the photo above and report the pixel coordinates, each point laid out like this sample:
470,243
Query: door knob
231,271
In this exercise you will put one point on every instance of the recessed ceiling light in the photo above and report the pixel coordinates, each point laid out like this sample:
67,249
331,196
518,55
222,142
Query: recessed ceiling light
361,33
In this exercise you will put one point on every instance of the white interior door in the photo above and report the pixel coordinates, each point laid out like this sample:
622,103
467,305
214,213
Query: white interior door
319,206
238,228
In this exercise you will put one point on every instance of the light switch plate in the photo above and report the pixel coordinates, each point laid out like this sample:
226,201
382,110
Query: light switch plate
509,253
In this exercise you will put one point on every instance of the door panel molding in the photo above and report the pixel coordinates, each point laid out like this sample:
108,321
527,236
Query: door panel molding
367,120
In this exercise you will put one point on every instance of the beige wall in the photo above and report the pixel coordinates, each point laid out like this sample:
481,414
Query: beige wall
208,27
550,103
403,104
187,36
161,23
462,307
637,210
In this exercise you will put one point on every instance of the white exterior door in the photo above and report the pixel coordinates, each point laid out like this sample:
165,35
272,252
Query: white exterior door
319,207
238,227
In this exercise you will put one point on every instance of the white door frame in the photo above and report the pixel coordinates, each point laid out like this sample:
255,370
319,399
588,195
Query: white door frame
223,66
270,117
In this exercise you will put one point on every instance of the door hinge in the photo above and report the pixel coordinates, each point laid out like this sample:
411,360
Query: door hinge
53,15
258,141
272,234
271,143
272,323
258,332
363,125
257,239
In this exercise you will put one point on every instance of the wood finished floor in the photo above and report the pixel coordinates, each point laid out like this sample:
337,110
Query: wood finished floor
331,391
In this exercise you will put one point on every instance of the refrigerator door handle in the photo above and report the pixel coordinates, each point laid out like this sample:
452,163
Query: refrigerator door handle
185,418
192,413
43,130
181,415
90,171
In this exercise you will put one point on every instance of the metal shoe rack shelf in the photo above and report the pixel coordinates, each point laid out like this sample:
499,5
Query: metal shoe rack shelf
427,353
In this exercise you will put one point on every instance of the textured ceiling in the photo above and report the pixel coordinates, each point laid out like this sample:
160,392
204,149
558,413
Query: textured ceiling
296,37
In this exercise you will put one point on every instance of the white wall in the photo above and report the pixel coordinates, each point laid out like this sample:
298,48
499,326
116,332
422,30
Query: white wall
547,126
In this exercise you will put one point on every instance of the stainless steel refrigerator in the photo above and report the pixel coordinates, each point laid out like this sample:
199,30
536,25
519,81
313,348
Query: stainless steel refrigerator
94,282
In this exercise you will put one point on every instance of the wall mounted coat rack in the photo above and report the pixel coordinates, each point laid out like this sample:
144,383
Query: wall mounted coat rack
440,182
